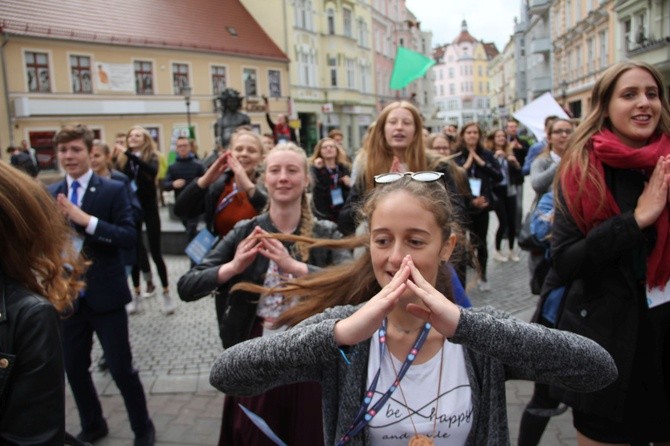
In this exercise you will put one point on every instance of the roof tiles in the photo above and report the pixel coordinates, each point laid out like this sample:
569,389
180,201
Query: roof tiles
200,25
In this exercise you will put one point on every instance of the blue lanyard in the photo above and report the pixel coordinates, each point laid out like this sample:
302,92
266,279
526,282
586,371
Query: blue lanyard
226,200
364,414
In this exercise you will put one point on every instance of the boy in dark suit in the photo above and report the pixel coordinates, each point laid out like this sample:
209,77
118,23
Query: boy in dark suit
100,211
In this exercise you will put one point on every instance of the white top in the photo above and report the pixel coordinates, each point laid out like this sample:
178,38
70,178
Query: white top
392,425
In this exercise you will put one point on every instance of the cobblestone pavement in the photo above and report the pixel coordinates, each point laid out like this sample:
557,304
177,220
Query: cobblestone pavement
174,355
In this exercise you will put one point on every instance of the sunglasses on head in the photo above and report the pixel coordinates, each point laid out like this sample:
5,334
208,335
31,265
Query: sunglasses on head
424,177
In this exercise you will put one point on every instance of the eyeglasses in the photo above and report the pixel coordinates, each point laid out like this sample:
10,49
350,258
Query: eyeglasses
424,177
562,132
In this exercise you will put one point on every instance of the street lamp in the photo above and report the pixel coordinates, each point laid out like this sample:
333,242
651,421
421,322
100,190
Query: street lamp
186,91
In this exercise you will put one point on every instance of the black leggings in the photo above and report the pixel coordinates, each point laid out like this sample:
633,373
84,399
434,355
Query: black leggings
153,224
506,213
479,227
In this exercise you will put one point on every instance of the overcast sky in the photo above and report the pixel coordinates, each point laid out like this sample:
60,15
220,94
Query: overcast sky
490,20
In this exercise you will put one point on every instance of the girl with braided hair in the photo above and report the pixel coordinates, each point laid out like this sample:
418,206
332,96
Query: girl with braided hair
244,255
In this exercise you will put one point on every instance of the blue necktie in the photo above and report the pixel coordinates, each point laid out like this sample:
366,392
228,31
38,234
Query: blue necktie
74,197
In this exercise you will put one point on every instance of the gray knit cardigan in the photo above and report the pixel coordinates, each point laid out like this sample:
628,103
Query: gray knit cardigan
497,347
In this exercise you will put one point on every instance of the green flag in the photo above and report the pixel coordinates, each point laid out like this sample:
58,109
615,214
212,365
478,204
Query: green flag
409,65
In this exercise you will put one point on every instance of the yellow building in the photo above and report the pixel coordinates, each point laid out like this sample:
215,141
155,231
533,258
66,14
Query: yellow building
331,77
114,65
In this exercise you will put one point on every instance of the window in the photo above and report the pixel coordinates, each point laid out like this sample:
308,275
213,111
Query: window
219,80
144,77
568,14
346,17
452,89
274,83
80,70
578,61
441,90
179,77
350,66
578,10
365,79
451,72
331,20
45,151
303,14
480,70
602,37
627,31
590,54
641,32
332,63
249,78
362,33
37,70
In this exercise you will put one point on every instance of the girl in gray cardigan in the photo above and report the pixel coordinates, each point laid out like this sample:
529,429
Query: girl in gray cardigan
397,360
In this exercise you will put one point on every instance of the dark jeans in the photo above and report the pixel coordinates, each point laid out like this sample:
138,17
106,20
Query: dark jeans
153,224
112,331
506,213
479,227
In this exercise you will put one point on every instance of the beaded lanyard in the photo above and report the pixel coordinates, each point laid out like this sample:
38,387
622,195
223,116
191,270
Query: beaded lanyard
364,414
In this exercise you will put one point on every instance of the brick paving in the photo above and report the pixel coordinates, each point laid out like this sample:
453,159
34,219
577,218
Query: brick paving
174,355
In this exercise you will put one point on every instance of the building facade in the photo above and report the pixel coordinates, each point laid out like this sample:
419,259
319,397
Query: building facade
583,47
461,79
643,33
331,74
119,70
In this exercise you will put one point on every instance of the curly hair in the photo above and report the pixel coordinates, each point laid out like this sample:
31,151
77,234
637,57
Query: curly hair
36,240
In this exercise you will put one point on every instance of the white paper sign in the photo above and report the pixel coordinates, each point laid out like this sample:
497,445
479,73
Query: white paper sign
656,297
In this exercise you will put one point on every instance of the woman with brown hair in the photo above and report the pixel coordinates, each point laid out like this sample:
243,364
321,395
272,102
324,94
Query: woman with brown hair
395,357
140,162
330,170
611,247
505,192
483,171
395,144
39,278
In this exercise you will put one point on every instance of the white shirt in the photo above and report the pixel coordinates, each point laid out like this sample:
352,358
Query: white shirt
83,187
392,426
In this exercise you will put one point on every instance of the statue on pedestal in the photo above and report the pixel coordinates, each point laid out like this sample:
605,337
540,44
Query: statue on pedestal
231,116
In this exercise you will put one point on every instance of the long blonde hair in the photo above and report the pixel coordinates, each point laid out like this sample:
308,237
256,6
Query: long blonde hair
148,151
36,240
576,156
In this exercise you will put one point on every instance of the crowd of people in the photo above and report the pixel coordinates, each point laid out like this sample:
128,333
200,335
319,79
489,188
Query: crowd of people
340,285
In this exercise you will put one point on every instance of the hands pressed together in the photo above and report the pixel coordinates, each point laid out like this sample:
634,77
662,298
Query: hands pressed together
434,307
656,194
256,244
